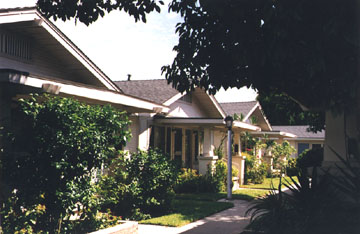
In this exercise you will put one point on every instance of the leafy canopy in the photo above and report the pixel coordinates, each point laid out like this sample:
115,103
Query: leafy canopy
305,49
281,110
88,11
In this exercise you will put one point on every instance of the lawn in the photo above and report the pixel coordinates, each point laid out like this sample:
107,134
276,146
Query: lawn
190,207
248,194
269,183
186,211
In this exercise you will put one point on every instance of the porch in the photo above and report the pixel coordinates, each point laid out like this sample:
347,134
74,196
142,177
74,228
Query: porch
197,142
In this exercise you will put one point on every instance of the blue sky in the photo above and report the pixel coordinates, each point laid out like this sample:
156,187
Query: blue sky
119,46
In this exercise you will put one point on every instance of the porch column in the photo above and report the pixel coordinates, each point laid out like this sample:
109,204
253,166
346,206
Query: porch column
144,133
208,158
208,142
239,142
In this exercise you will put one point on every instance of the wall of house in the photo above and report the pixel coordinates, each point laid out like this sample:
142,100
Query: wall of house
336,128
185,109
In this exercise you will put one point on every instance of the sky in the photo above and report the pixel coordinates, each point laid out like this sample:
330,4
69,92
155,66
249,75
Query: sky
119,46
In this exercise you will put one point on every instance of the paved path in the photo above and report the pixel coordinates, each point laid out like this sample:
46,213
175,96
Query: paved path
230,221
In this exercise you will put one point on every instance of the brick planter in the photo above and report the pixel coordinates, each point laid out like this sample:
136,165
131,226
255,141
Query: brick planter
127,227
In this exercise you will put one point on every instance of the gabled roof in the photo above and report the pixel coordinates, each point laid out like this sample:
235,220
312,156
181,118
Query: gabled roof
300,131
232,108
30,22
248,109
158,91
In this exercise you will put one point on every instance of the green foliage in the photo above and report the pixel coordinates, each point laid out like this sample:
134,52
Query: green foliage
281,153
310,158
55,146
88,12
294,212
325,203
139,186
215,180
188,181
239,117
292,168
282,110
255,170
300,47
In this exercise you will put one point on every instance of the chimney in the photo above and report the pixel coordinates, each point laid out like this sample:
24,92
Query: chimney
129,77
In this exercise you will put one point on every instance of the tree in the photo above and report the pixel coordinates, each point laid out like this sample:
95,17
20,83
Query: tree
88,12
54,149
305,49
281,153
281,110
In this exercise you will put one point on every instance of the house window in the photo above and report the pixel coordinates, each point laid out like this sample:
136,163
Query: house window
157,138
178,146
187,98
316,146
302,147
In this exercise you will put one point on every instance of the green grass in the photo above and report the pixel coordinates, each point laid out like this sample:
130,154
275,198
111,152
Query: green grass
269,182
190,207
186,211
249,194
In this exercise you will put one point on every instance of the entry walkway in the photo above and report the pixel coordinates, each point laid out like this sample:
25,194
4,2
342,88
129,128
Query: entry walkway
230,221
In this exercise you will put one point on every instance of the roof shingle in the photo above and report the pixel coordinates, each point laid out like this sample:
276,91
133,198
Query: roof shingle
231,108
158,91
299,131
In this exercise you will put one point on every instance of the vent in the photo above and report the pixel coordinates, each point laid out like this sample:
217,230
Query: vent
14,46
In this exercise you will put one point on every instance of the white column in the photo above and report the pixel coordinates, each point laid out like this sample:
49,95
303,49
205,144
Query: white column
239,143
208,158
144,133
208,142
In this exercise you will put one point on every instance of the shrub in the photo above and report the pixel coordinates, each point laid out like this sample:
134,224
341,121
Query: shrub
188,181
255,170
215,180
139,186
52,151
291,168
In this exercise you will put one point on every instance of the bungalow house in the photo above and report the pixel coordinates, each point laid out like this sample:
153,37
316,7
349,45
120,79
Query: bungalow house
36,57
191,132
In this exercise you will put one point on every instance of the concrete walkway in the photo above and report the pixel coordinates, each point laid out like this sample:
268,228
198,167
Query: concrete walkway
230,221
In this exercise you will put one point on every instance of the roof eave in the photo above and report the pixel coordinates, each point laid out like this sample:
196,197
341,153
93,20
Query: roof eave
87,93
32,14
